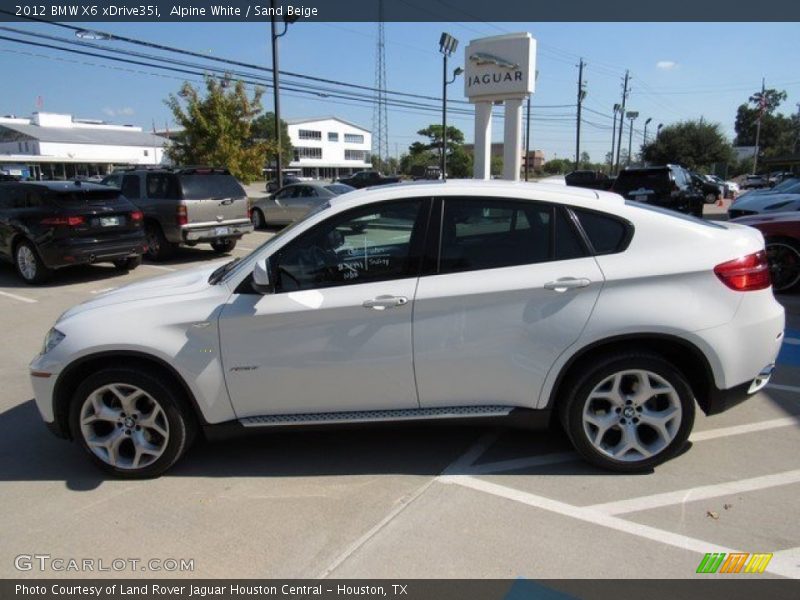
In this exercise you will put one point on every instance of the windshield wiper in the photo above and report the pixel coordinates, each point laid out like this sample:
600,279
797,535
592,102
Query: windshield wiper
220,272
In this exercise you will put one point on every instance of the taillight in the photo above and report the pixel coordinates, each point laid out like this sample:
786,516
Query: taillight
745,274
64,221
181,217
137,216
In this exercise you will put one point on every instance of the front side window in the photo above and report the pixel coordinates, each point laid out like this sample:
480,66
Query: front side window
488,233
368,244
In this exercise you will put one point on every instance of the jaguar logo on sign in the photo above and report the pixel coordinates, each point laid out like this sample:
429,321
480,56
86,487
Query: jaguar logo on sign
500,67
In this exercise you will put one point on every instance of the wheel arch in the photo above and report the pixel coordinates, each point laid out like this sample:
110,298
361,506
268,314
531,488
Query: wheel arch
72,376
687,358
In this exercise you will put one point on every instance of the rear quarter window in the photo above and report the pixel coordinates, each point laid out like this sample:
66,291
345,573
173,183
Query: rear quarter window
606,233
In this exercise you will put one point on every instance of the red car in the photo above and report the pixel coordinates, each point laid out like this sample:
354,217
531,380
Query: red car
782,234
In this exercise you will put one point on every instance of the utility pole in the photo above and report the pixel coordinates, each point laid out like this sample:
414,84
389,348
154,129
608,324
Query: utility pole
528,136
581,96
761,108
622,114
276,98
632,115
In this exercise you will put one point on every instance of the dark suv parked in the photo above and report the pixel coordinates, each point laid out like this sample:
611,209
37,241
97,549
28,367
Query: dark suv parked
49,225
187,206
669,186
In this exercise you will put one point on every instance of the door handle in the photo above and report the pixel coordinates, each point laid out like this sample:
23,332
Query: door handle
566,283
384,302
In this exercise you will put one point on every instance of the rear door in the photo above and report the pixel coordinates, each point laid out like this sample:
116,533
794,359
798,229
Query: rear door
303,199
212,197
513,288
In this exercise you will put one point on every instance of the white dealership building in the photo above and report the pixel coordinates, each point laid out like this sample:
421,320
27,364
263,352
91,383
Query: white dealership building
60,146
329,147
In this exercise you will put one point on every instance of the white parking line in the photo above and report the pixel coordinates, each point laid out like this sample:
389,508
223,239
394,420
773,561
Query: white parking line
16,297
697,493
160,267
594,517
711,434
555,458
103,291
788,560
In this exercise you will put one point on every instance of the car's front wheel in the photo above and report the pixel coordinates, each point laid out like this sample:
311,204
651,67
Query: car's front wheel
131,422
257,217
629,412
783,256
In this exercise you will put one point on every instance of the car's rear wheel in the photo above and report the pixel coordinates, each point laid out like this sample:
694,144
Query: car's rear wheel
158,247
711,198
132,423
783,256
29,264
629,412
257,217
222,246
128,264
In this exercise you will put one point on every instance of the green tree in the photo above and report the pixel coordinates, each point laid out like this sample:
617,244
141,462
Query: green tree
263,131
693,144
778,132
455,137
557,166
217,127
459,163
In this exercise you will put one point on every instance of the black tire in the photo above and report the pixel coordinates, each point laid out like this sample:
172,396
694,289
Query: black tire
182,427
711,198
257,217
223,246
783,255
158,247
29,265
577,397
128,264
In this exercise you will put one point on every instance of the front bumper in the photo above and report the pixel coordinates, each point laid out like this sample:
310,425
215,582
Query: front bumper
215,232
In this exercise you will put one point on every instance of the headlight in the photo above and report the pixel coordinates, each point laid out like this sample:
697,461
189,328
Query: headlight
52,339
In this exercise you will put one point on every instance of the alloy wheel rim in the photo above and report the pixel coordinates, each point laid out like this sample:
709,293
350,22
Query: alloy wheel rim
26,262
124,426
153,244
784,265
632,415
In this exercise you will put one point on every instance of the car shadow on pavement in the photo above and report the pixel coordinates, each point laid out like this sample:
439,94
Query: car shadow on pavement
28,452
62,277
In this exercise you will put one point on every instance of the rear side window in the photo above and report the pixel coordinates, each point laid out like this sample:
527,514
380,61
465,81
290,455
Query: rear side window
607,234
163,186
130,187
215,186
491,234
657,180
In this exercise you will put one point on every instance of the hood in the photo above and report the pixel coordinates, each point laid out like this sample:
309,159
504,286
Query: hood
765,201
187,281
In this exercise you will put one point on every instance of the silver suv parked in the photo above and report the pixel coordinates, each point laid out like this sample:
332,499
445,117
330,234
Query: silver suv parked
186,206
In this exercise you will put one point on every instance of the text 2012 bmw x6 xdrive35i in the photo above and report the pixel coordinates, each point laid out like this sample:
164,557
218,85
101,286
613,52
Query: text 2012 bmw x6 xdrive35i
439,300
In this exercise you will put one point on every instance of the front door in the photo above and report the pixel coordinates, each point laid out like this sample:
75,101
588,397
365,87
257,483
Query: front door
513,289
336,334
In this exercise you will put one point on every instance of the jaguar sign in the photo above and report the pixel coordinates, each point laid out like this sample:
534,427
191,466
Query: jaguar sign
500,67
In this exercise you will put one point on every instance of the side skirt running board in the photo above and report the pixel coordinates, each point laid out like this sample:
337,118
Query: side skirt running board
377,416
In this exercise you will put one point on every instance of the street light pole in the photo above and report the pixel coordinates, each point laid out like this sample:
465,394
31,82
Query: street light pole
276,90
613,138
447,45
645,129
631,114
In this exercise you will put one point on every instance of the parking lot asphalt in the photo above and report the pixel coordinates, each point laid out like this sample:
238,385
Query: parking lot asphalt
392,502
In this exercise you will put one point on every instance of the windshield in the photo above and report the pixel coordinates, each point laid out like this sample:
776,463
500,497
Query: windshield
339,188
246,263
214,186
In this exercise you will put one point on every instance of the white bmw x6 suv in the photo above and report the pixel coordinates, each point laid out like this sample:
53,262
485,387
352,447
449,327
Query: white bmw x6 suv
528,303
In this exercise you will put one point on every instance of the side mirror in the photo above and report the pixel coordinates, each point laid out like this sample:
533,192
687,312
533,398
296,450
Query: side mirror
261,283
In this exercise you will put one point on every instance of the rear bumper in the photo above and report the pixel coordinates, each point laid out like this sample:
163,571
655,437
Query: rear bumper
719,401
69,252
215,232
